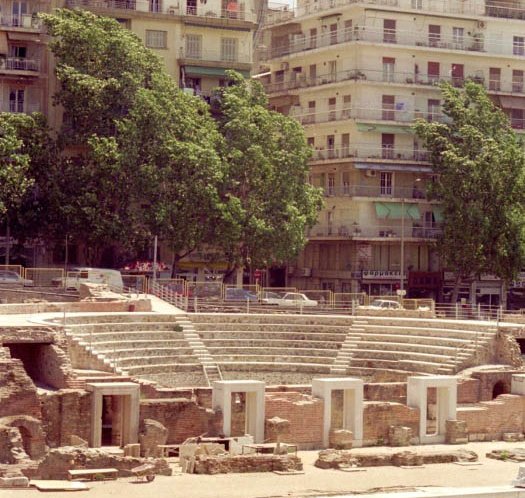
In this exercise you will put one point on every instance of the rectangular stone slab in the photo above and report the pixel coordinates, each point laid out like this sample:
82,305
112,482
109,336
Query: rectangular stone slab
59,485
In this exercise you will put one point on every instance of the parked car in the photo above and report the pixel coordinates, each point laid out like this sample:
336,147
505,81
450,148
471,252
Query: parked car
239,294
8,277
296,299
77,276
271,298
383,304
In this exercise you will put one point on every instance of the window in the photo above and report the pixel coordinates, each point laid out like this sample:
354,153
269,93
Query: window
313,38
388,109
346,183
345,145
517,80
389,31
332,114
229,49
433,72
19,12
434,35
388,68
330,145
458,37
332,69
348,30
387,145
417,4
331,184
495,79
16,100
18,51
347,106
434,109
310,141
194,46
458,75
516,118
312,73
518,45
386,182
310,117
333,34
156,39
155,6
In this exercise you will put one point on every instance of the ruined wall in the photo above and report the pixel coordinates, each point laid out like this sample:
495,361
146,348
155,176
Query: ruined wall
469,390
18,394
379,416
507,350
182,417
386,391
65,413
305,414
491,419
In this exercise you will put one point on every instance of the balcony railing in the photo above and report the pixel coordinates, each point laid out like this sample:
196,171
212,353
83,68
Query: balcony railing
374,191
19,64
387,152
20,107
28,21
215,56
368,114
237,11
496,8
473,42
375,232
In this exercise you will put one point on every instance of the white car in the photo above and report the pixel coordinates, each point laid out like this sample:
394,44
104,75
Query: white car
383,304
296,299
271,298
12,278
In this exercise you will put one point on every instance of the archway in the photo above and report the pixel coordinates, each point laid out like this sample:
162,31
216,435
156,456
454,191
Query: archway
499,388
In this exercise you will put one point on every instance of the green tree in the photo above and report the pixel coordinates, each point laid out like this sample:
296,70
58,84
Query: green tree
268,203
170,141
480,164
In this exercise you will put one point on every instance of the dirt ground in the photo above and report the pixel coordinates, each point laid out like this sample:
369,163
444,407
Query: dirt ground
313,483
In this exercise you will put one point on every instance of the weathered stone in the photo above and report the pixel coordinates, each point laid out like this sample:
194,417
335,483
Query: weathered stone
276,429
78,441
14,482
334,459
456,432
513,437
407,459
132,450
399,435
341,439
57,462
223,464
514,455
152,434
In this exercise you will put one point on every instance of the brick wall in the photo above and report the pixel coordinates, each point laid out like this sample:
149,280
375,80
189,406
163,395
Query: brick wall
18,395
468,391
379,416
182,417
304,412
65,413
491,419
386,391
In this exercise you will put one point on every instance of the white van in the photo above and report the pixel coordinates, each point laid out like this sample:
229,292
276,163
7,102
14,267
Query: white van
77,276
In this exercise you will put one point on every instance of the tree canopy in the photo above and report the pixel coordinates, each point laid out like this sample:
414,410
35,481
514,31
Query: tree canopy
480,166
268,202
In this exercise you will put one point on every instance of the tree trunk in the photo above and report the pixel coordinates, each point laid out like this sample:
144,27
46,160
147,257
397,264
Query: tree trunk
8,242
175,264
455,290
231,274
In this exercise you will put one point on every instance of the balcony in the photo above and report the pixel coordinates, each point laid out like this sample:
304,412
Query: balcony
20,107
222,59
19,65
376,191
396,114
22,21
475,42
376,153
476,8
200,13
380,233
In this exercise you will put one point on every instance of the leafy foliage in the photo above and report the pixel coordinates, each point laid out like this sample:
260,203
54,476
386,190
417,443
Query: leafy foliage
480,162
268,203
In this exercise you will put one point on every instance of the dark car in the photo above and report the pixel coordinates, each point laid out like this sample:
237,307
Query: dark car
238,294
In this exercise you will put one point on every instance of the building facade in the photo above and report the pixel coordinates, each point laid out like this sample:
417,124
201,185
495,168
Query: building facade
357,74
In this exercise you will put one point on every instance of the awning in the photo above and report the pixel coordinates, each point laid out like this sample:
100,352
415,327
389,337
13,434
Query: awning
211,71
512,102
3,42
410,168
438,213
385,128
394,210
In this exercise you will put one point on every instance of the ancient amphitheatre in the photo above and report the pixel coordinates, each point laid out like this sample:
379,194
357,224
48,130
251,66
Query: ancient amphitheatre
115,381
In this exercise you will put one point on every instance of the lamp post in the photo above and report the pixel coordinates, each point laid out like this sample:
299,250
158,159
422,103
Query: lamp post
402,264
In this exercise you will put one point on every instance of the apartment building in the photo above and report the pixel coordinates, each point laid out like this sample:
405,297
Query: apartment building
198,39
23,57
356,74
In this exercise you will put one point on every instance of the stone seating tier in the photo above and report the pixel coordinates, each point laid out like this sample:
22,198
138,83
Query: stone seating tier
136,344
162,368
98,318
122,326
129,336
270,335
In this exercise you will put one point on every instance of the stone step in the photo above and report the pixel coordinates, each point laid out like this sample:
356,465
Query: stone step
276,360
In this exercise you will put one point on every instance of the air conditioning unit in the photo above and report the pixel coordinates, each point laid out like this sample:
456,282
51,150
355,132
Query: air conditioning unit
481,25
284,66
306,272
370,173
